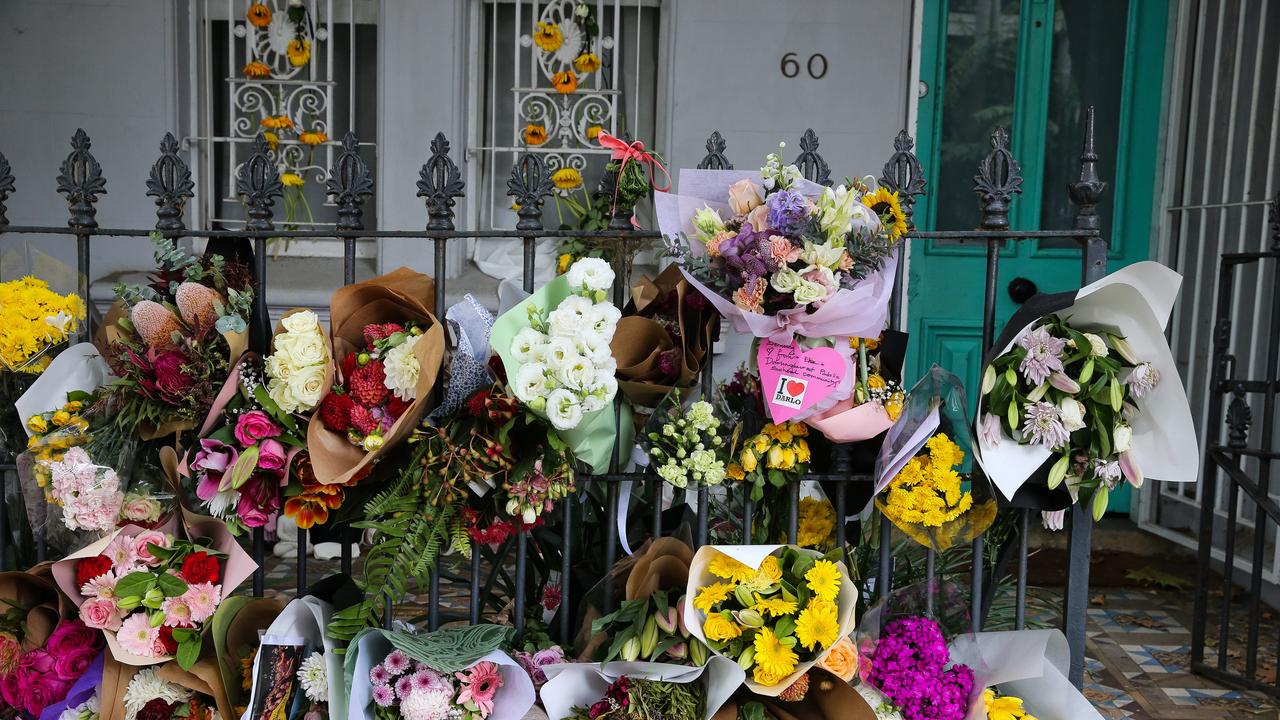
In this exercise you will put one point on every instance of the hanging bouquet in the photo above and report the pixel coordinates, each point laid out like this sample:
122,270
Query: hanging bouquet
911,672
387,349
173,342
776,610
817,523
687,445
34,322
555,351
36,677
1075,390
53,433
245,447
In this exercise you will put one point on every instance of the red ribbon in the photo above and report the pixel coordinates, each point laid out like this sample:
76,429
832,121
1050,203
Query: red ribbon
628,152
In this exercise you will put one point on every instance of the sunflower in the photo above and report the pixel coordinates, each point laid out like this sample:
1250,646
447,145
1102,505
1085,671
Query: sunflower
313,137
534,134
299,52
277,122
567,178
292,180
818,627
772,657
594,131
885,204
719,628
723,566
258,15
273,140
565,82
775,606
547,36
257,70
587,62
712,595
824,580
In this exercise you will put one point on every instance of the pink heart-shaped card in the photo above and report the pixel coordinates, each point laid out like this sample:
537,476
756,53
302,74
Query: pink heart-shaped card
794,379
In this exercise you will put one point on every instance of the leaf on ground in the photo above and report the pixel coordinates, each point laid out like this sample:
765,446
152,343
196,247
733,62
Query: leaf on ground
1098,600
1159,578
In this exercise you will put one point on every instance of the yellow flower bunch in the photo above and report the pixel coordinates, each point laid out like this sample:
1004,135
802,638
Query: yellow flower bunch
777,454
33,319
1004,707
771,618
52,434
926,491
817,523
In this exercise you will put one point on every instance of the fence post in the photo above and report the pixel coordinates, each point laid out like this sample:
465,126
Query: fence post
6,189
1085,193
80,180
170,184
349,184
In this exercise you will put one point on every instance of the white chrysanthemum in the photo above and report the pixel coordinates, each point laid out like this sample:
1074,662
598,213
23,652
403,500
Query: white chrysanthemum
564,409
590,273
402,369
87,710
530,382
528,345
313,676
147,685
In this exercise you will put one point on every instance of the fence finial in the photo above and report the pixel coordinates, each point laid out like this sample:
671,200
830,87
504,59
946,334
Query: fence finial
6,186
259,184
1086,192
1239,419
170,184
903,173
715,158
440,183
999,177
811,164
349,183
80,179
530,185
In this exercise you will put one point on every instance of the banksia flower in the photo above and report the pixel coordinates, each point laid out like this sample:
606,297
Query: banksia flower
196,303
797,690
154,322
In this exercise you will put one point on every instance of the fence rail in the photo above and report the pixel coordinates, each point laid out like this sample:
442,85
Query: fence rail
350,185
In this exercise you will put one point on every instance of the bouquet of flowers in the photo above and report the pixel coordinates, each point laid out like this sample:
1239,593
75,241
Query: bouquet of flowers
52,433
297,372
687,444
650,628
877,396
1074,391
640,689
245,447
172,343
817,523
911,671
776,610
555,350
90,495
782,256
237,630
150,696
152,591
35,677
35,320
387,347
772,458
638,699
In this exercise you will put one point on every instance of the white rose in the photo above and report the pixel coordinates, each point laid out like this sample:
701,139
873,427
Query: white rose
528,345
786,280
278,367
531,382
301,322
306,385
559,352
563,409
1122,438
809,292
1072,413
590,273
577,375
301,350
279,391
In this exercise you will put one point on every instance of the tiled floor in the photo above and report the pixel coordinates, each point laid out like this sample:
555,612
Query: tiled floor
1138,653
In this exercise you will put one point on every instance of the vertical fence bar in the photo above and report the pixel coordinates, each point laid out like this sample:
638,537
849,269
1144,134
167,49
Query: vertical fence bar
884,573
1020,599
7,187
793,511
566,567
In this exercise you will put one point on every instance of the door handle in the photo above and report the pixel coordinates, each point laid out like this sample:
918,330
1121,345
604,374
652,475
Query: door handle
1021,289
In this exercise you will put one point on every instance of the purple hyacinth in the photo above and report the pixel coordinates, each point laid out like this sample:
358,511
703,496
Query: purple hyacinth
1044,355
1044,425
788,212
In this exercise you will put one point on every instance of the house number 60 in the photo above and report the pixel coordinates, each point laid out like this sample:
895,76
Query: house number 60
817,66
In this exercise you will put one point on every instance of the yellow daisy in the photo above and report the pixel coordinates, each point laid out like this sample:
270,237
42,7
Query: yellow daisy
774,658
547,36
723,566
567,178
774,606
587,62
292,179
712,595
824,580
818,627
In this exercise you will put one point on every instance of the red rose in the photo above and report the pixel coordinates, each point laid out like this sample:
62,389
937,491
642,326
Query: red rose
90,568
166,640
172,381
156,709
200,567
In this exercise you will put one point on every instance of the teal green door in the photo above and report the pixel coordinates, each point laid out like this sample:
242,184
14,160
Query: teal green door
1031,66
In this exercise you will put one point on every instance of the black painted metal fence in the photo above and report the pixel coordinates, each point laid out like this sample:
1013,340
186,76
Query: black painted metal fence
998,179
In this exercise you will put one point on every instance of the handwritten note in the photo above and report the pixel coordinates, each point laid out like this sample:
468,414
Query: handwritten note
794,379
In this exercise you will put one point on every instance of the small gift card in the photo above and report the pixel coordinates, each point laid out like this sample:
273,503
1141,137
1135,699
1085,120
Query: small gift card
794,379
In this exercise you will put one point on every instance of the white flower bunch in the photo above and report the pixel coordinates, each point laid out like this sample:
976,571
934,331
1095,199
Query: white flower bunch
313,676
567,368
147,685
776,175
87,710
295,371
685,445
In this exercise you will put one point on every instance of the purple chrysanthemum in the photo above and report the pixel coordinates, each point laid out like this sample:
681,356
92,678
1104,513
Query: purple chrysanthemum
1044,425
379,675
1044,355
1142,379
404,686
397,662
788,212
383,695
909,666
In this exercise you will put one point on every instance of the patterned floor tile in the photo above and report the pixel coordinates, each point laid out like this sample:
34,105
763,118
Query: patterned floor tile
1214,697
1135,620
1160,658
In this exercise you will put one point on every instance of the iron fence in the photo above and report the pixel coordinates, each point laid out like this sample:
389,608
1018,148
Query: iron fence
998,180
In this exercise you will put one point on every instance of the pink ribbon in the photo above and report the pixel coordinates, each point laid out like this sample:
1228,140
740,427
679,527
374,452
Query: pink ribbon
629,152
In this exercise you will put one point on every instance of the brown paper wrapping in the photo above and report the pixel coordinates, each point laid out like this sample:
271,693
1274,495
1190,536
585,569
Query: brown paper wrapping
36,591
661,564
638,340
399,296
828,697
242,634
115,680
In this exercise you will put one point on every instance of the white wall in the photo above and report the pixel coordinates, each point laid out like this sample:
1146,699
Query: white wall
108,67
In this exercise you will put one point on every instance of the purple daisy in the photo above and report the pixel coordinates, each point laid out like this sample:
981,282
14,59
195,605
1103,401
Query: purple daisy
1044,355
1044,425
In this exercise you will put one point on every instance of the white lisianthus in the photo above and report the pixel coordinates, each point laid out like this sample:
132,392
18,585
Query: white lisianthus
530,382
707,222
603,318
826,255
305,387
528,345
302,322
809,292
1072,413
559,352
577,375
591,274
785,280
564,409
402,369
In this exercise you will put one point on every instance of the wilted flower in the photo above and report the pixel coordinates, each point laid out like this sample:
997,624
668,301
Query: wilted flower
1143,379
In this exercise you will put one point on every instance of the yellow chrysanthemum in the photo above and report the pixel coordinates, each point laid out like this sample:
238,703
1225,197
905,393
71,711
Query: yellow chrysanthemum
534,134
817,521
723,566
313,137
773,658
565,82
567,178
299,52
257,70
885,203
1003,708
719,628
774,606
818,626
587,62
292,179
277,122
824,580
547,36
34,318
712,595
594,131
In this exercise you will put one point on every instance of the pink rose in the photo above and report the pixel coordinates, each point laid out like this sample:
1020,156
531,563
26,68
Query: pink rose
142,542
759,218
41,691
100,613
271,455
38,661
11,689
72,635
255,425
71,666
744,197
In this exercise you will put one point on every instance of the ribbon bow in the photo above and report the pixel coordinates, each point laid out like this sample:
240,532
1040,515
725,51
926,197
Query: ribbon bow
628,152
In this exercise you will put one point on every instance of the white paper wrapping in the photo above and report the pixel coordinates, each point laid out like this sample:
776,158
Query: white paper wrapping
303,622
1028,664
78,367
581,684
